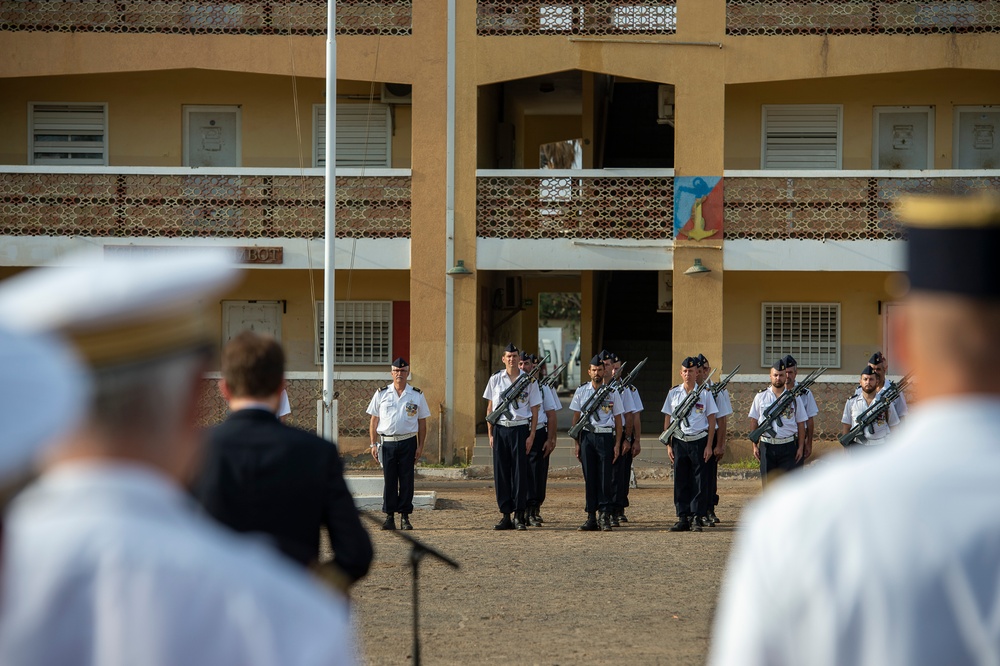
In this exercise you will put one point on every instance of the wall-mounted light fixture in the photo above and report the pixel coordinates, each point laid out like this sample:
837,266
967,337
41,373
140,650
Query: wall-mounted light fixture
697,268
459,269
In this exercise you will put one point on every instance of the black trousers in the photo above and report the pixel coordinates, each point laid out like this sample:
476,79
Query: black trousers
689,462
397,472
510,467
710,479
777,458
596,453
621,471
538,469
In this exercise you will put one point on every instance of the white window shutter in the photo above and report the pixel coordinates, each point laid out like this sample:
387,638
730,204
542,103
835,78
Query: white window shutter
808,331
363,135
67,134
801,136
363,333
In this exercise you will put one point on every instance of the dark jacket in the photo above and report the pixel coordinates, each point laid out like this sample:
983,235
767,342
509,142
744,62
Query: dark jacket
259,475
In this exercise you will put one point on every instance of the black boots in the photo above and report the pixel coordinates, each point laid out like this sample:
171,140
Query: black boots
404,522
390,522
590,525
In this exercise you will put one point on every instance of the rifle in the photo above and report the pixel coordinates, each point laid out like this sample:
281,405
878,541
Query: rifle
772,415
509,396
866,419
716,389
680,414
623,384
552,377
591,406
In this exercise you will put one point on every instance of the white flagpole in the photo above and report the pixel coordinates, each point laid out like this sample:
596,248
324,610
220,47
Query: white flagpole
328,425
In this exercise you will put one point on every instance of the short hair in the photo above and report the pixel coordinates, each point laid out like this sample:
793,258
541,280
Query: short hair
253,365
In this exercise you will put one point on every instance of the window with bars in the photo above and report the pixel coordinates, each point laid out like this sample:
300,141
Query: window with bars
67,134
363,135
363,334
808,331
801,136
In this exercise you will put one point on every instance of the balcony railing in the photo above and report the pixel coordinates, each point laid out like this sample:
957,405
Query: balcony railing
625,203
576,17
207,17
200,203
831,205
861,17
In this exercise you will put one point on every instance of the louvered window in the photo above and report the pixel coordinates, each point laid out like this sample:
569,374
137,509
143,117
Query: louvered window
67,134
363,334
363,132
805,136
808,331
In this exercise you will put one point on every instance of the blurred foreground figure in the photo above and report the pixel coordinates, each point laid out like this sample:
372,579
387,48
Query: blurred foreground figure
104,560
894,557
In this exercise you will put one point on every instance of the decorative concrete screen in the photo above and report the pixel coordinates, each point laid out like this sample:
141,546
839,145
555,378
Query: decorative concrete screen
574,206
201,17
860,17
189,206
586,17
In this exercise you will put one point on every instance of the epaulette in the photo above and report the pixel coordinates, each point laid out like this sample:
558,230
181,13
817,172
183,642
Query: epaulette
383,389
673,387
763,390
416,389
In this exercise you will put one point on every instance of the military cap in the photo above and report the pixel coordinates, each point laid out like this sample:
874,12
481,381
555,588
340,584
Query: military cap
525,356
779,364
121,310
400,362
689,362
790,362
510,348
535,359
596,360
868,370
605,355
952,243
44,392
876,358
702,360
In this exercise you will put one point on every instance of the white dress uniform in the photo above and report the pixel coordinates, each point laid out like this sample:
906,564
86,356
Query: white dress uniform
399,417
691,500
108,565
879,430
530,397
538,462
778,451
597,444
603,418
912,583
550,403
510,436
398,414
899,404
697,419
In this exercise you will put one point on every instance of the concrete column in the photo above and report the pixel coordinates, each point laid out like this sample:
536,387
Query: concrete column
588,294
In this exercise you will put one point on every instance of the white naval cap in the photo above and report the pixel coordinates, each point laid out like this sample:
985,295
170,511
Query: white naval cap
44,391
120,309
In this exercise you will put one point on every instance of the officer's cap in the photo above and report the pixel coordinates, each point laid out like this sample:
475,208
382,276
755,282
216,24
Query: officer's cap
868,370
121,310
876,358
952,243
702,361
790,362
43,393
689,362
779,364
596,360
525,356
400,363
535,359
605,355
510,348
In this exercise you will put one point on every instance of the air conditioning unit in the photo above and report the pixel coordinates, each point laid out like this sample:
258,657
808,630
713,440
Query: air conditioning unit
397,93
665,105
509,297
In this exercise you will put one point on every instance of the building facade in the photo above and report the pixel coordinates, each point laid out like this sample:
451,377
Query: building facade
600,147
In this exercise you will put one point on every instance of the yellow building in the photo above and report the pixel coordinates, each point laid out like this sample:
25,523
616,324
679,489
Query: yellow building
761,139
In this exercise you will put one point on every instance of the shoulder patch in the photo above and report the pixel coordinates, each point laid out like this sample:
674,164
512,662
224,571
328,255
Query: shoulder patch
416,389
384,388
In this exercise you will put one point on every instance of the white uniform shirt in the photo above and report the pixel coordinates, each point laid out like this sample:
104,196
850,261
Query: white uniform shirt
550,402
636,400
889,558
808,401
530,396
697,418
627,406
398,414
604,416
723,402
109,565
790,418
899,403
856,405
284,407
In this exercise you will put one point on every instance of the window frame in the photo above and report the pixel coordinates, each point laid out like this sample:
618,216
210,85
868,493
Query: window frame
33,109
771,349
383,108
802,108
386,320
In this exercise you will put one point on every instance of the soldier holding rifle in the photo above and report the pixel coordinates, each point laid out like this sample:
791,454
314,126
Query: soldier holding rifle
858,404
598,409
782,447
718,443
545,440
808,401
512,434
878,363
623,463
687,446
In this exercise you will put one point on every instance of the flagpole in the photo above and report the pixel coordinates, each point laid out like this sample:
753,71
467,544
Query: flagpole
328,424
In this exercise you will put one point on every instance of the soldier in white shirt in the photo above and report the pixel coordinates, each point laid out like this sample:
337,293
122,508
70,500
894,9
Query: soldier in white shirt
808,401
879,364
623,464
631,447
689,450
598,446
545,442
397,429
511,439
858,403
105,560
711,469
893,557
780,451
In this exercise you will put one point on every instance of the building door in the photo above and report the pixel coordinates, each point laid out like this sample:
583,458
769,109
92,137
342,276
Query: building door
212,136
902,138
977,140
262,317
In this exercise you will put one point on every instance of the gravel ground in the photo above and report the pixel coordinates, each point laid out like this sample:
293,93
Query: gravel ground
550,595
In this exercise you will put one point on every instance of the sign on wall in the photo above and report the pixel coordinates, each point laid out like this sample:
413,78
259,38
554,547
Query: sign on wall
698,208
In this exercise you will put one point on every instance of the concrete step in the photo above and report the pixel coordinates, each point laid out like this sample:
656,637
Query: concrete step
367,493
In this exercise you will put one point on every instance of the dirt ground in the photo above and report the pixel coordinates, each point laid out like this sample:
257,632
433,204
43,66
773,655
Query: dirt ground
550,595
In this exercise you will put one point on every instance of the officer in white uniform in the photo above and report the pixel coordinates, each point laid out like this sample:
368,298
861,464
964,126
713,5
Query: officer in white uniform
623,464
634,443
711,468
511,439
397,429
893,557
878,363
598,446
782,450
808,401
545,442
856,405
689,450
105,560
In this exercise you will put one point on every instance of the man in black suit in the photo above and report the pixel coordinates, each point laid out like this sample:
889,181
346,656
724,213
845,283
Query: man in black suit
261,476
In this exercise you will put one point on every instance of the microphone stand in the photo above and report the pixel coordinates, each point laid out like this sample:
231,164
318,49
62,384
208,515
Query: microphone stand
418,550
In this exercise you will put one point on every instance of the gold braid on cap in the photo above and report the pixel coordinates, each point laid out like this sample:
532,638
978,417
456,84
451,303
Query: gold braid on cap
136,341
948,212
